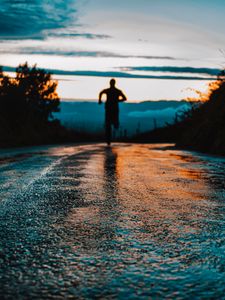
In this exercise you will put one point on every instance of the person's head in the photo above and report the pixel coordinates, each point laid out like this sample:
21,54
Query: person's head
112,82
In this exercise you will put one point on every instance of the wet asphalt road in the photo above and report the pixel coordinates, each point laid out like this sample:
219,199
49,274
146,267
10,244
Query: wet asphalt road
121,222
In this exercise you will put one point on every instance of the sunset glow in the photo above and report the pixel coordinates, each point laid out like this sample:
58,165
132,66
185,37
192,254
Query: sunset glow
170,47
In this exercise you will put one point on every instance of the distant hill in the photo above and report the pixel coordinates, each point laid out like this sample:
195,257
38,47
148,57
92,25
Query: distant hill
134,117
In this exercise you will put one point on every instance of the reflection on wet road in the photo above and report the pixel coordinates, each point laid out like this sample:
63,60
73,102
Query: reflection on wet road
126,222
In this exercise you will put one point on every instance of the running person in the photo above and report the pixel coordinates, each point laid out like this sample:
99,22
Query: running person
113,97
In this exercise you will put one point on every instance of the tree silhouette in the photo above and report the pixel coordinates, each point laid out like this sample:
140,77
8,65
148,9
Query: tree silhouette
38,91
205,127
27,101
31,94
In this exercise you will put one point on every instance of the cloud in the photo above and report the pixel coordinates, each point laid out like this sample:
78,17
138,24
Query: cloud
59,52
22,18
156,57
172,69
160,113
86,35
62,52
118,74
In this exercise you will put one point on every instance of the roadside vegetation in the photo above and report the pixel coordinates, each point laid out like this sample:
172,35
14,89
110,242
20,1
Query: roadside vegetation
201,127
27,103
205,123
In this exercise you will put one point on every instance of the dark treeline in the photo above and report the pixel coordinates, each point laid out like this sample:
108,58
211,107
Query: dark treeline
205,124
27,104
202,127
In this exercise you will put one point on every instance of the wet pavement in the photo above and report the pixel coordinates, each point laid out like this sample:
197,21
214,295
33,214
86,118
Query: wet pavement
122,222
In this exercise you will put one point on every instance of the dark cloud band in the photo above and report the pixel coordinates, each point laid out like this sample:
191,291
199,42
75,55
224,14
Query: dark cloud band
172,69
59,52
119,75
85,35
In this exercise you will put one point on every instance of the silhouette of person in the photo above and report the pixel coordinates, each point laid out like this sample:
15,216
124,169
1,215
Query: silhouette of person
113,97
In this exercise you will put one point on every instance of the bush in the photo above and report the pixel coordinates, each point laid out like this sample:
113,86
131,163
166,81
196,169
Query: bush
26,105
205,128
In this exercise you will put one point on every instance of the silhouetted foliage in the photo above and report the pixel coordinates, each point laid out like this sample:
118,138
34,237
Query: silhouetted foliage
205,128
27,102
201,127
30,96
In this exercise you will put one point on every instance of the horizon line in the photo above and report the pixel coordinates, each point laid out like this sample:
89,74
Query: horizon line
128,101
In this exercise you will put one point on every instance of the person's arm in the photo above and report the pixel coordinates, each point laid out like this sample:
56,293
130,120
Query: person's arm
122,97
100,97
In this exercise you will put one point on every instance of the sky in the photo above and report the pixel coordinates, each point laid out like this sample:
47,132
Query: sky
155,49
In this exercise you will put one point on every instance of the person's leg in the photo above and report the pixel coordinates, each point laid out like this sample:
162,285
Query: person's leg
116,119
108,129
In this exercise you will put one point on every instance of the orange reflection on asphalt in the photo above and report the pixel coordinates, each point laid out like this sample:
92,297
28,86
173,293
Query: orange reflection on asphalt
140,189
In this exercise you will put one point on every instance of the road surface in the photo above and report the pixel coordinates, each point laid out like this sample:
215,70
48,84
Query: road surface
121,222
